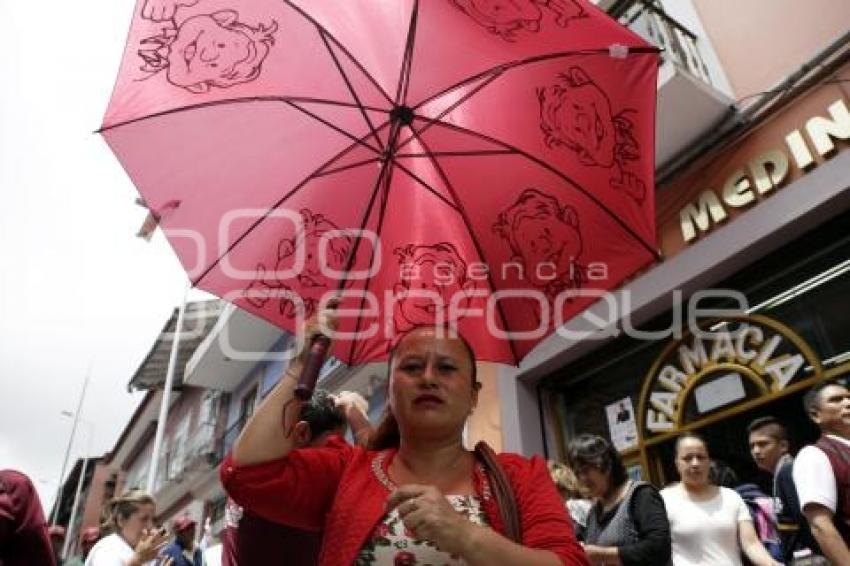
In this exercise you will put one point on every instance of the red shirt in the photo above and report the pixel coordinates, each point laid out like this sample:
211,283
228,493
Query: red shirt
337,489
839,459
256,540
248,539
23,530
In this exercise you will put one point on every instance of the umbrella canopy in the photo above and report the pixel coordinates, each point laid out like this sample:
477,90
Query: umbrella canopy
479,162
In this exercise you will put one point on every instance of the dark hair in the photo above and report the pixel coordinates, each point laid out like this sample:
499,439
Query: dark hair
722,475
386,433
595,451
772,427
322,414
693,435
811,400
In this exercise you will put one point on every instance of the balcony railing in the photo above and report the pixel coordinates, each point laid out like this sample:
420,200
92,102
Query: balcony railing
224,443
194,454
679,43
203,451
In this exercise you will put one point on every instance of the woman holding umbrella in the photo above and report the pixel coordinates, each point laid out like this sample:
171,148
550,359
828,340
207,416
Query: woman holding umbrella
416,495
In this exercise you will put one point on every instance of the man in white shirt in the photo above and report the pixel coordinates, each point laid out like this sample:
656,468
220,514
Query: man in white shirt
821,471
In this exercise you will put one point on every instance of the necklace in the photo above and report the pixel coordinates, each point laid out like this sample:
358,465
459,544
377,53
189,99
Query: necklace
380,469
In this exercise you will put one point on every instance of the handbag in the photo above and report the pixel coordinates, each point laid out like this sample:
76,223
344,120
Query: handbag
503,492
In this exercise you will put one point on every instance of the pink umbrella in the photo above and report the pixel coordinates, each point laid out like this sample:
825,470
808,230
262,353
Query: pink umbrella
485,163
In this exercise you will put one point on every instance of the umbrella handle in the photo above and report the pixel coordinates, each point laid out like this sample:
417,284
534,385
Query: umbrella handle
310,374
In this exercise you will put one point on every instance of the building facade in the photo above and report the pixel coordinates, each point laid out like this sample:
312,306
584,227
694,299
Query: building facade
747,308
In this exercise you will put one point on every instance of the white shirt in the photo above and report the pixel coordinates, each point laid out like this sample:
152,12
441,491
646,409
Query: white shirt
212,555
813,476
705,533
111,551
579,509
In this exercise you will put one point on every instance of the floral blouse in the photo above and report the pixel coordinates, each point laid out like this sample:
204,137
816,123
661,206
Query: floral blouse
391,544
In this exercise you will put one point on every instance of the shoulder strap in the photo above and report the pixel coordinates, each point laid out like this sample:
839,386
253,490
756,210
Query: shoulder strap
630,497
502,490
835,448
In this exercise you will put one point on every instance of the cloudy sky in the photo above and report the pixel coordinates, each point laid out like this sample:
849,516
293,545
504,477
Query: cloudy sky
77,289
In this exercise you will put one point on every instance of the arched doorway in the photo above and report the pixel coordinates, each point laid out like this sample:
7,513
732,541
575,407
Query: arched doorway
715,380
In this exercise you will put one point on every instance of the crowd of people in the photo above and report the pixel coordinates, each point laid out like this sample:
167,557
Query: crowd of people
708,517
407,491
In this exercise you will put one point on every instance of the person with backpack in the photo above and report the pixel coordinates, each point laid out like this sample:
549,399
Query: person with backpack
759,504
628,522
770,449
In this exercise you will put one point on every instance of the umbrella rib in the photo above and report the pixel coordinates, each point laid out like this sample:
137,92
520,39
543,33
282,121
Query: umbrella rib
445,111
500,69
242,100
346,167
407,62
323,171
387,180
470,153
649,248
351,88
478,247
339,44
425,185
349,262
315,174
349,135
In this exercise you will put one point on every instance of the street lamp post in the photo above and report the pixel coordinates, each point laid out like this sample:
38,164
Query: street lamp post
166,394
80,480
60,487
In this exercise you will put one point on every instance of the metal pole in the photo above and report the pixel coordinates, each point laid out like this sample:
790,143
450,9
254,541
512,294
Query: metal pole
74,510
75,507
61,486
166,395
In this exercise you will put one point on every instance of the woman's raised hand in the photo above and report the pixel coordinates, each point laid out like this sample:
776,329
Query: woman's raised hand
325,322
150,544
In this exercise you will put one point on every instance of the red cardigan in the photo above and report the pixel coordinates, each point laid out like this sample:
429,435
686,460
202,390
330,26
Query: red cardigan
337,489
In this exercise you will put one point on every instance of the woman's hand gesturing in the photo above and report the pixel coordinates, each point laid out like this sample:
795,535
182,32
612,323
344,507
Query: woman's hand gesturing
427,513
150,544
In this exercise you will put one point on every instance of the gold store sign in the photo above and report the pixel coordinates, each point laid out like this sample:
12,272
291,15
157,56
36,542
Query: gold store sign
714,368
766,171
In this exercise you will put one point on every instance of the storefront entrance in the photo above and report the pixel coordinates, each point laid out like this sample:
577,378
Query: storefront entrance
643,393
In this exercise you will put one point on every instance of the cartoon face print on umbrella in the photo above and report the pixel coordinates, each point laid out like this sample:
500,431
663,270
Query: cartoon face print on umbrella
205,50
576,114
544,237
312,281
505,17
431,279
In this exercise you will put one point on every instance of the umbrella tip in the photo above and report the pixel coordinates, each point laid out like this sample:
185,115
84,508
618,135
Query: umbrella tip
403,114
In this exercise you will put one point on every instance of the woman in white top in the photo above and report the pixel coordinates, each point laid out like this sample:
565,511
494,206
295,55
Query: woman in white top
135,541
709,525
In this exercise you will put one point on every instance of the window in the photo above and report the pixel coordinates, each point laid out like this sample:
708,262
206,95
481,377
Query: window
246,408
210,407
178,449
